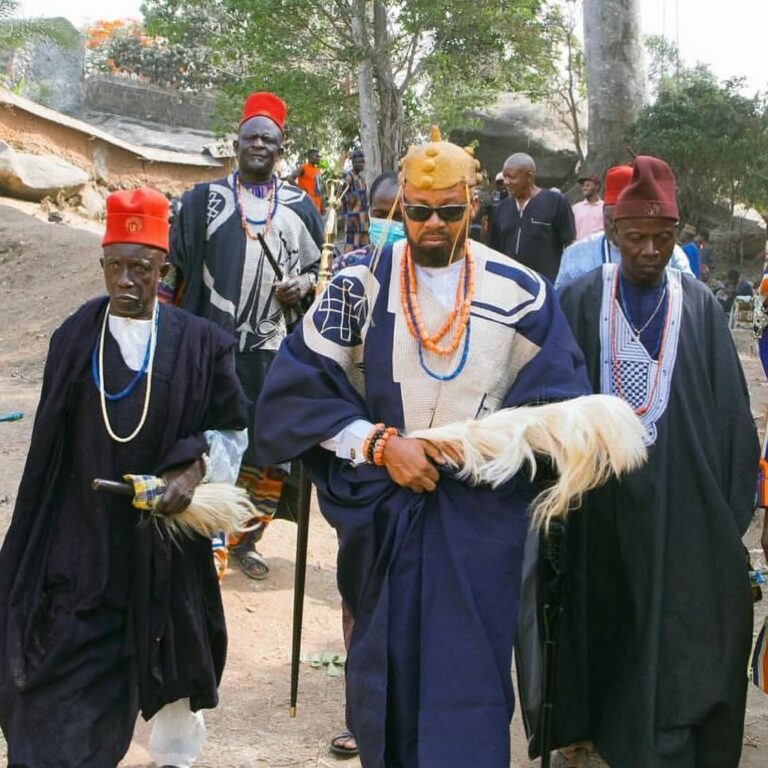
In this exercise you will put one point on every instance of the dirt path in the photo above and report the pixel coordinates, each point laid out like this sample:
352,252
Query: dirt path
46,271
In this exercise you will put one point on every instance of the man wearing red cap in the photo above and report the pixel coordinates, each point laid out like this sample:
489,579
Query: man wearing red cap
600,248
245,251
658,623
103,615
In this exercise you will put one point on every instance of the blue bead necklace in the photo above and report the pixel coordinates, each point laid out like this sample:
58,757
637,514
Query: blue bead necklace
465,349
123,393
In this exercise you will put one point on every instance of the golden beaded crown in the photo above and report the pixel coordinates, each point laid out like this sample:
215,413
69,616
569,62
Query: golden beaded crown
439,165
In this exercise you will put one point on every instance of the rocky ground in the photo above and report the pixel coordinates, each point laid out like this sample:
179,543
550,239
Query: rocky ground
46,271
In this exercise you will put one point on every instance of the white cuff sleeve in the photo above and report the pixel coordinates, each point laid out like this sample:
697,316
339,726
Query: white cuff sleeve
348,444
225,451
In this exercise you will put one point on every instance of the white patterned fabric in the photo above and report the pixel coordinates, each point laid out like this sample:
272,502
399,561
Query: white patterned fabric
627,369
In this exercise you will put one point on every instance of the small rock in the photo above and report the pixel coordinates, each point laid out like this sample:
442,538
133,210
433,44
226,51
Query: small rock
56,216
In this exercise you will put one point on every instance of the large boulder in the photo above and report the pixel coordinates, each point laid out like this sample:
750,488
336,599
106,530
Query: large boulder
33,177
51,73
515,124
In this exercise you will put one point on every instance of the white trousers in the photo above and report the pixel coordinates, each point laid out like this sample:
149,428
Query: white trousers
177,736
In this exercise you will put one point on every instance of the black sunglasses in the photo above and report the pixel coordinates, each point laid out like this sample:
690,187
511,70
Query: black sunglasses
423,212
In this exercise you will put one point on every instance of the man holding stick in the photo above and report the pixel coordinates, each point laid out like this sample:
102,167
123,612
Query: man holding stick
103,613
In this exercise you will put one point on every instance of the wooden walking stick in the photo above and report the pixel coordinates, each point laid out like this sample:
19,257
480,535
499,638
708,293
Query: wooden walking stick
305,484
552,553
299,581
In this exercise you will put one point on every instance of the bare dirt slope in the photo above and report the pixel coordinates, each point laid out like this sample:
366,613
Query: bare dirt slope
46,271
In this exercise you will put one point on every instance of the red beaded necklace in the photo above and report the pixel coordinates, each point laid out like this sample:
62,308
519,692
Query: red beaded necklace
615,363
462,303
269,200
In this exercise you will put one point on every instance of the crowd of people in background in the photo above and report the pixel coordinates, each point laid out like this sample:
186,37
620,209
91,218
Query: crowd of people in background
558,231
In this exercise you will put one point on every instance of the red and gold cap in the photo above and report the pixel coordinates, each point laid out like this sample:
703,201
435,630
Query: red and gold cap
439,165
263,104
616,179
650,193
137,216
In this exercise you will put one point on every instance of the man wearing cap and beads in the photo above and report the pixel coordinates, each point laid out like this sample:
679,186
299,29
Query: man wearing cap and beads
222,273
102,614
432,329
600,248
658,618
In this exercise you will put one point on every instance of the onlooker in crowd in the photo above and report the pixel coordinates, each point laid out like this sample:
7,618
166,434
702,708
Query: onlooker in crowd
706,252
355,205
733,286
588,214
307,176
499,193
688,245
533,225
481,204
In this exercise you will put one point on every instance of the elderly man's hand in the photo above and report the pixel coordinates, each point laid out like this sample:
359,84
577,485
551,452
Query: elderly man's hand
292,290
180,486
411,463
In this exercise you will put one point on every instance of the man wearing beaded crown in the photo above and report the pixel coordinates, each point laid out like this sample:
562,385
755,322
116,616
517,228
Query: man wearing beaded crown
222,272
103,615
658,625
429,330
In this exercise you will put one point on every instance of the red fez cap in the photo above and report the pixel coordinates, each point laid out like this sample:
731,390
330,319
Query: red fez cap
616,179
265,105
650,193
137,216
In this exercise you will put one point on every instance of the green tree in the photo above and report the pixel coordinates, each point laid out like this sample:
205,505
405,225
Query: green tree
714,137
16,31
362,68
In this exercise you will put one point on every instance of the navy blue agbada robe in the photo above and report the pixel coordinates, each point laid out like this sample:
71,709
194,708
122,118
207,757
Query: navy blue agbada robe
100,614
432,579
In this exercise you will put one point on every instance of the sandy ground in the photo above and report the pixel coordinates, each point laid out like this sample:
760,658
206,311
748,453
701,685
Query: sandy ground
46,271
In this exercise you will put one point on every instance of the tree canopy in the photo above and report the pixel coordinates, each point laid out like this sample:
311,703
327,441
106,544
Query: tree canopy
367,69
712,135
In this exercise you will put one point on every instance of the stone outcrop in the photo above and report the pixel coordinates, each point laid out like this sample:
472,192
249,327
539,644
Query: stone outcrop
515,124
52,74
33,177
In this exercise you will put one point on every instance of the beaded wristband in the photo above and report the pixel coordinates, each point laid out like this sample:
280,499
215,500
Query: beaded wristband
380,444
368,443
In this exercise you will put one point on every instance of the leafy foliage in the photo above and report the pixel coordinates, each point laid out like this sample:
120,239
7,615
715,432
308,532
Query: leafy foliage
430,60
16,31
122,47
714,137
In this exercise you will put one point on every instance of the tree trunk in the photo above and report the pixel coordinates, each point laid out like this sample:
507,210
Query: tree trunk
369,108
391,120
615,73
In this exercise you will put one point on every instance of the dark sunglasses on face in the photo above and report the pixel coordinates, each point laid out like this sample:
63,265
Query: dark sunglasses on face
417,212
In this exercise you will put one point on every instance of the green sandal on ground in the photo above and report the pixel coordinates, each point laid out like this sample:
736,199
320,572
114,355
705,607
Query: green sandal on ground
251,563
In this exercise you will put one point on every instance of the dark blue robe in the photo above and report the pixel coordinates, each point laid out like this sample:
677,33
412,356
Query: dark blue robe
432,579
657,625
100,613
